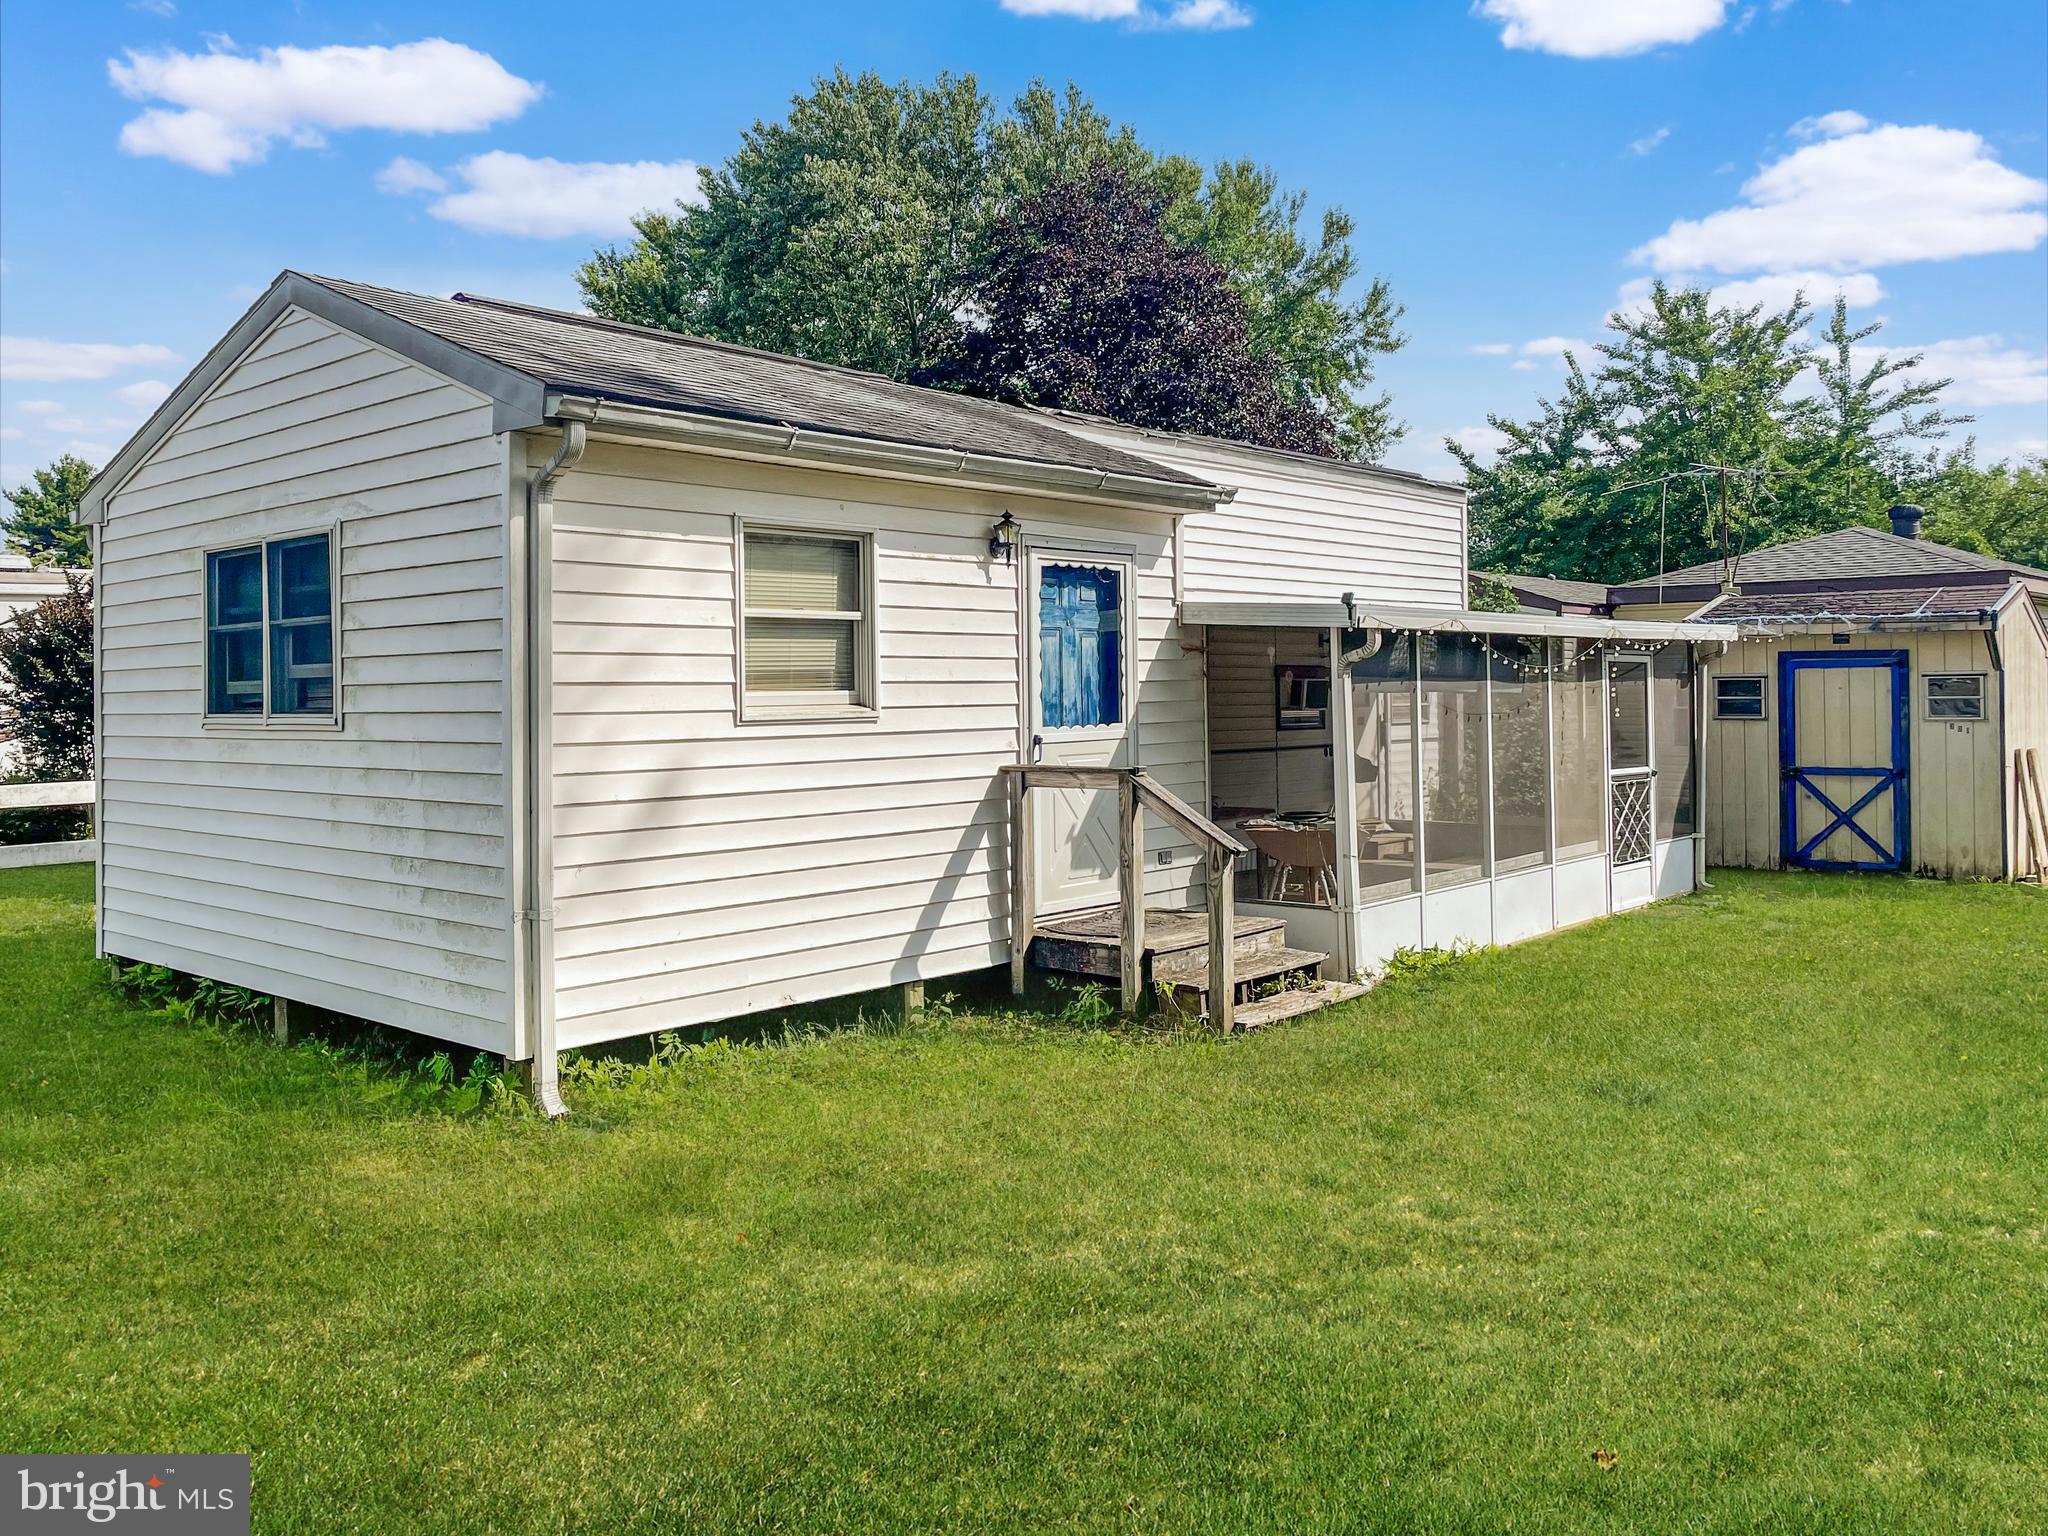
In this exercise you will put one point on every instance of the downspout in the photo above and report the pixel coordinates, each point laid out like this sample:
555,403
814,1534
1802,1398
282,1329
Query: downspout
537,900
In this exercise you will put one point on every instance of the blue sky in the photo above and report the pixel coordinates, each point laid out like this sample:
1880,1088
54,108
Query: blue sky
1517,167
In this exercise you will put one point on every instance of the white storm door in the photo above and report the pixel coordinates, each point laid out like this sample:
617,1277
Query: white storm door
1631,782
1080,620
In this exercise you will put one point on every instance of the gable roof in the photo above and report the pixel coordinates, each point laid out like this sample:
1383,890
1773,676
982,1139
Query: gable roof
1847,552
520,354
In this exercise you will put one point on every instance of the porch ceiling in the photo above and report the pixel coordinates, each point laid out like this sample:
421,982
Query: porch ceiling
1374,615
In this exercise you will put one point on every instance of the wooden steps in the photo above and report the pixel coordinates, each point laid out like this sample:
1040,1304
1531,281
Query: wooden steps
1272,980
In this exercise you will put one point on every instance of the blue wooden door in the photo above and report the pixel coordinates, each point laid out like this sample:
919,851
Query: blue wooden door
1842,760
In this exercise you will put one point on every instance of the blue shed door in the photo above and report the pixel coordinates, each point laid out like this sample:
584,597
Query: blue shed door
1842,755
1079,618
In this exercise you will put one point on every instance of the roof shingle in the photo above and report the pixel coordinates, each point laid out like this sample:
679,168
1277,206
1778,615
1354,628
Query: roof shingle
641,366
1847,552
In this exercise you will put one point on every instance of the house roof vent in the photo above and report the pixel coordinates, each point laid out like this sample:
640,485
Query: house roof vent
1906,520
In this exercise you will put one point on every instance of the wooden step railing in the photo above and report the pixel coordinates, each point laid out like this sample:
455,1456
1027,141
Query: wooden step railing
1137,792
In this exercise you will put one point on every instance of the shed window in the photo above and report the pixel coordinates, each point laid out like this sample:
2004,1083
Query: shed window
806,624
1738,698
270,630
1955,696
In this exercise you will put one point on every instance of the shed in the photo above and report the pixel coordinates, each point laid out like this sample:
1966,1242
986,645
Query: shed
1876,708
529,681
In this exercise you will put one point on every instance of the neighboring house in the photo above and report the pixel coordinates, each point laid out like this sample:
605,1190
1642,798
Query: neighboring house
527,681
1869,714
22,586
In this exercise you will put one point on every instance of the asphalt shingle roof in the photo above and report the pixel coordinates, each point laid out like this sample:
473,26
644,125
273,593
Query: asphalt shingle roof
1882,603
1556,588
634,364
1847,552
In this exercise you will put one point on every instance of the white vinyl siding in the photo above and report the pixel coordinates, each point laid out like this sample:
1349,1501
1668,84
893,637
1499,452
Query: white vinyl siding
1302,530
364,868
706,868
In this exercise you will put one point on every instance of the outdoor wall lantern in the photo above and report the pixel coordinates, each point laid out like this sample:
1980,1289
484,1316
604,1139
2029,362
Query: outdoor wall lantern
1002,540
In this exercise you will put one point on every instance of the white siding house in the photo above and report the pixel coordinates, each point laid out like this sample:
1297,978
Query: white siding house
529,681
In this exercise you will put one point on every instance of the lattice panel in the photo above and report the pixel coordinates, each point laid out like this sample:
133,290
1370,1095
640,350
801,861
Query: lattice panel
1632,832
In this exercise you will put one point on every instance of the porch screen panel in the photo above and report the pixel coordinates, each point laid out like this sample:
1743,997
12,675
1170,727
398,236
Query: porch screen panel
1454,766
1383,747
1521,765
1672,696
1578,749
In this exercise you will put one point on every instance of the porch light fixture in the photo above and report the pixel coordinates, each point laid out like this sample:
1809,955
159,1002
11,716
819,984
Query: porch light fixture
1002,540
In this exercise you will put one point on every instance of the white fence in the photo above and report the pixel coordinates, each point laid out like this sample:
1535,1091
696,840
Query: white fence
16,797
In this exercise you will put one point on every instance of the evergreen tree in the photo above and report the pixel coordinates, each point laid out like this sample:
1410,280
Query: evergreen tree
41,525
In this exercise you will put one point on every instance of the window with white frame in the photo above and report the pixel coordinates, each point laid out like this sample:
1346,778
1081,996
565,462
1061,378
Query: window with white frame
1739,698
806,635
270,621
1955,695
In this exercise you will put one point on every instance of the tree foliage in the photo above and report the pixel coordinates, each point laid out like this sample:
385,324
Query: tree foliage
41,525
1817,436
1083,302
855,231
46,684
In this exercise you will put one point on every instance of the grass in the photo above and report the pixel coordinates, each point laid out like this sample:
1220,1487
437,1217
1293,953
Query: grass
1726,1215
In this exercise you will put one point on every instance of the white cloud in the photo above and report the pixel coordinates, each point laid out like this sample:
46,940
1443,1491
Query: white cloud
1773,290
1600,29
40,408
1493,348
162,8
226,108
1482,441
405,176
1179,15
1207,16
1862,198
1648,143
33,357
2018,448
1986,371
546,199
144,394
9,434
1830,125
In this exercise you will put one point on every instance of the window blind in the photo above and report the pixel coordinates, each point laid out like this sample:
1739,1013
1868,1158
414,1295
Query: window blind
806,574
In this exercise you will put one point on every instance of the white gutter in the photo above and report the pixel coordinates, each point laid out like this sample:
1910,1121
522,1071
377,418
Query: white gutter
758,439
534,940
1375,615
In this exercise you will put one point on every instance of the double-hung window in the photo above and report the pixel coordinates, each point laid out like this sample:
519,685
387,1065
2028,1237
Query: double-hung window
270,620
806,632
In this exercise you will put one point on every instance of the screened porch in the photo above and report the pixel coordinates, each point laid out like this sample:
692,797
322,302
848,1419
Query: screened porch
1461,778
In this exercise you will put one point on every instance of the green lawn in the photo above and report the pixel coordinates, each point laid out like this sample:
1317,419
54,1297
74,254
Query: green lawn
1747,1190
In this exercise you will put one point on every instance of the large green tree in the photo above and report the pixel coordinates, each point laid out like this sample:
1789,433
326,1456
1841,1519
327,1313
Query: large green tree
40,525
1601,483
854,231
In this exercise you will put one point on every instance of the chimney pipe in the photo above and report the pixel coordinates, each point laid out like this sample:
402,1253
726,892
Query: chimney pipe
1906,520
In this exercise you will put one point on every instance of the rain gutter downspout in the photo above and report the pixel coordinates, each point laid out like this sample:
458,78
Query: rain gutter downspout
537,899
